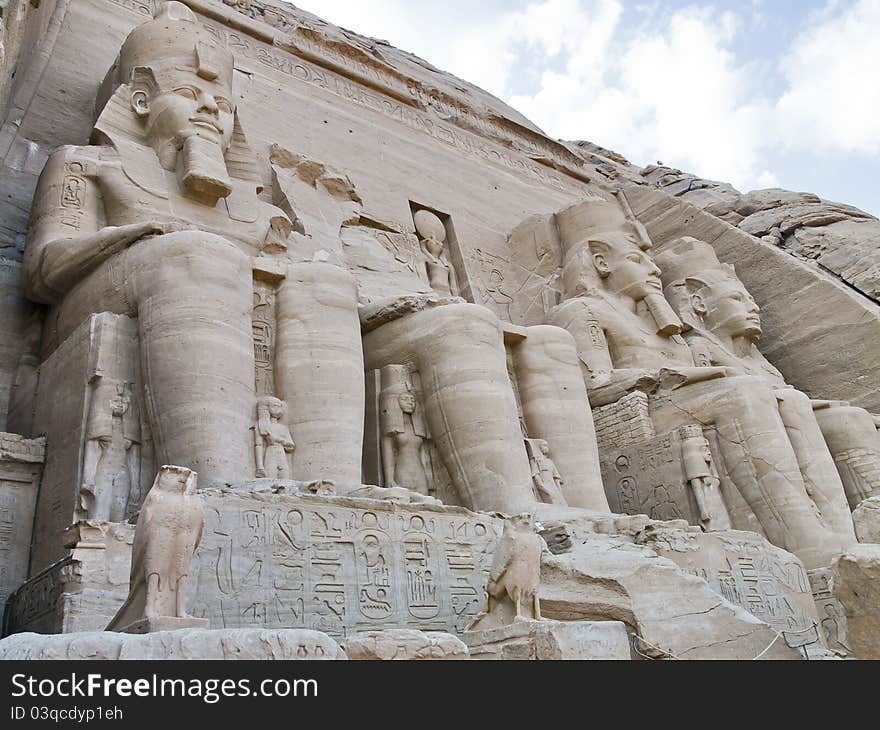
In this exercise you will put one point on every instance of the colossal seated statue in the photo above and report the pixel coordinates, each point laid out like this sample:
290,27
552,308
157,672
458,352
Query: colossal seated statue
722,325
628,339
160,220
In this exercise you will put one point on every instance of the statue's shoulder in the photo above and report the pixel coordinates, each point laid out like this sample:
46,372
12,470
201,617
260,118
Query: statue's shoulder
79,160
586,307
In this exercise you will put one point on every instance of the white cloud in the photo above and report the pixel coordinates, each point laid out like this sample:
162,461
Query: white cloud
674,92
666,85
833,96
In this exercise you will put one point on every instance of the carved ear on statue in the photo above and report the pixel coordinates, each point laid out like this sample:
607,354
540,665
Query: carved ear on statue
698,304
143,87
599,251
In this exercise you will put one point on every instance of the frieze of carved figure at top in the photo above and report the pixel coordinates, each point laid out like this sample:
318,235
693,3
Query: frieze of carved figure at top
628,338
159,219
432,236
722,325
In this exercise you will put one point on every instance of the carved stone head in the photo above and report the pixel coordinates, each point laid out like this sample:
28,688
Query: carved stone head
170,89
269,405
180,78
407,402
603,250
708,294
177,479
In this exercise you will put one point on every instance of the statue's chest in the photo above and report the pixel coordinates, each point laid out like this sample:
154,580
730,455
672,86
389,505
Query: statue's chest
634,345
243,221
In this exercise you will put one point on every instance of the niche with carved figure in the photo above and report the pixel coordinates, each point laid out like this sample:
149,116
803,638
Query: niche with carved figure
441,253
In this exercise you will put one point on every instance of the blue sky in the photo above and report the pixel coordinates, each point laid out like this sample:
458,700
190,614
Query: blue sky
759,93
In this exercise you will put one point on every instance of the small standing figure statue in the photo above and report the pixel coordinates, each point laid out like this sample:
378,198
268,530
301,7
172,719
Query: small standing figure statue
701,475
516,568
111,455
545,476
273,443
169,529
403,433
432,236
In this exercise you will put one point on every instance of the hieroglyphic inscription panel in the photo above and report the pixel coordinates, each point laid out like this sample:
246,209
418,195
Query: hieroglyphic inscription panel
744,568
648,479
339,565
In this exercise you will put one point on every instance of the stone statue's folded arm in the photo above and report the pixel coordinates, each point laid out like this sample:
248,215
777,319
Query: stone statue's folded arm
68,237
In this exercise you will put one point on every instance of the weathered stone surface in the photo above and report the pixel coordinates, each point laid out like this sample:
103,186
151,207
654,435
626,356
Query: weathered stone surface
273,556
403,644
747,571
21,463
855,580
817,331
551,641
193,644
610,578
866,518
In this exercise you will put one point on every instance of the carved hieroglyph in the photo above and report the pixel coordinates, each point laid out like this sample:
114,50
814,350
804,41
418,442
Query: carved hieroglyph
669,477
339,564
168,532
722,325
627,339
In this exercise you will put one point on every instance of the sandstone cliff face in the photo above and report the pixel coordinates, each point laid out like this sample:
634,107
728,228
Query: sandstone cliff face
843,240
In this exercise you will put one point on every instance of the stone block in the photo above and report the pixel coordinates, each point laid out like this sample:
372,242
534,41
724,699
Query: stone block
403,644
191,644
550,641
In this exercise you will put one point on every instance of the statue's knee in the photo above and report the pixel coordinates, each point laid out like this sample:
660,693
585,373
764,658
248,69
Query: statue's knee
466,321
746,394
198,258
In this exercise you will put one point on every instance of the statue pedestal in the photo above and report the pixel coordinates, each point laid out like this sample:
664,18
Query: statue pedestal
550,640
163,623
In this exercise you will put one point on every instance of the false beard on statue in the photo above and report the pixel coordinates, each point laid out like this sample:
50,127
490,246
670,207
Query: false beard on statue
202,169
664,315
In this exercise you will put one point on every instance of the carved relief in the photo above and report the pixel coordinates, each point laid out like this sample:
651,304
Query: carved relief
703,479
404,434
669,477
264,337
273,444
112,451
546,478
304,562
433,241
